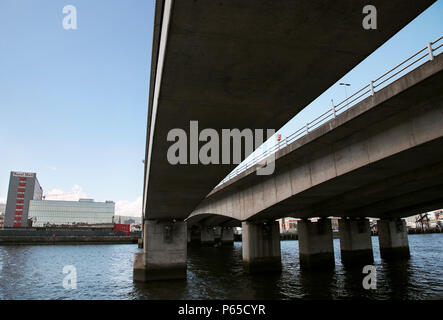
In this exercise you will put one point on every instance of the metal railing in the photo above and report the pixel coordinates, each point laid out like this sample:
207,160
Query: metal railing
366,91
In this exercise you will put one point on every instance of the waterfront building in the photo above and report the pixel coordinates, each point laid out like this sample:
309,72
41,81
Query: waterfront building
426,220
2,214
128,219
288,224
70,213
23,187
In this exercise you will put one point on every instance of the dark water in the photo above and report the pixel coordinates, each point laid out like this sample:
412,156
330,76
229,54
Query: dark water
105,272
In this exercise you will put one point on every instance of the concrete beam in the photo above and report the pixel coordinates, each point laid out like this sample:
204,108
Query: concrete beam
224,63
368,159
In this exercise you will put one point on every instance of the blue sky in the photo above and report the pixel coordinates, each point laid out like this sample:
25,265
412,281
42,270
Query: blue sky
73,103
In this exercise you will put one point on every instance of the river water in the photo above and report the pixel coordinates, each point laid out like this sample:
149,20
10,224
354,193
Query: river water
105,272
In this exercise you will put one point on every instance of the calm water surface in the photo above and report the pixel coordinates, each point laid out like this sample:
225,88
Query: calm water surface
105,272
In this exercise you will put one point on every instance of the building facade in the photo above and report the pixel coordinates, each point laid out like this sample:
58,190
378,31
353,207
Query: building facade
23,187
2,214
45,213
287,224
128,220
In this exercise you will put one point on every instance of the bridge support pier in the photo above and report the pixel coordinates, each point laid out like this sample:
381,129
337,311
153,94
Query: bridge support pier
217,233
164,252
393,238
315,243
227,236
207,236
355,241
261,247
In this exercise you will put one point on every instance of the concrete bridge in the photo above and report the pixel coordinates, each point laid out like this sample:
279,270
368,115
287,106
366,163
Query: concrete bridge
383,158
231,64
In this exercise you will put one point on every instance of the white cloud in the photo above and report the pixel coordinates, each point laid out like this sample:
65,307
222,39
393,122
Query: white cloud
75,194
2,200
128,208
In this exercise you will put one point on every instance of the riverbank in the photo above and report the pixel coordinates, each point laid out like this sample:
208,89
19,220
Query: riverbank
32,236
31,240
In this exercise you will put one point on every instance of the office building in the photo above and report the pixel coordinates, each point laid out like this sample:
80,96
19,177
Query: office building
45,213
23,187
2,208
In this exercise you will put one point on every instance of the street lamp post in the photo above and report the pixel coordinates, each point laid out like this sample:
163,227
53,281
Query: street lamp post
346,93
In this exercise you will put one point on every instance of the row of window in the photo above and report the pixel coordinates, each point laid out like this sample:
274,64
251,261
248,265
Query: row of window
74,214
70,209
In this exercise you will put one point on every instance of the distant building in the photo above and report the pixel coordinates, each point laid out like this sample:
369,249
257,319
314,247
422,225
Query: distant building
424,220
70,213
23,187
438,215
2,214
287,224
127,220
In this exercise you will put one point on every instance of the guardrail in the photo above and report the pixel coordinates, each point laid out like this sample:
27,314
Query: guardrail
366,91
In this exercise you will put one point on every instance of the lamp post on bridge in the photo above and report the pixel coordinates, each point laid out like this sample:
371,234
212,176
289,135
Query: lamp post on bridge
346,93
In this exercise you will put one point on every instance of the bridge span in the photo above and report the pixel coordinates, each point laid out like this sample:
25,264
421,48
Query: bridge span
231,64
382,158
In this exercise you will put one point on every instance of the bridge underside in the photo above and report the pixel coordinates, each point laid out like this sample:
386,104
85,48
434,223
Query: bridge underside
381,190
401,185
248,64
383,158
212,220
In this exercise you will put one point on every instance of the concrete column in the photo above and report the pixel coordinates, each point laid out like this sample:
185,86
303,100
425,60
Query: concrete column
227,236
189,235
207,236
393,238
164,252
355,241
261,246
217,233
315,244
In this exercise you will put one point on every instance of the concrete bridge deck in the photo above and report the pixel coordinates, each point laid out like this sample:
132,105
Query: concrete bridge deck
382,158
246,64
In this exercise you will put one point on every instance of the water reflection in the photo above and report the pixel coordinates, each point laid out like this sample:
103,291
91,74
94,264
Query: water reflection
397,274
317,284
105,272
